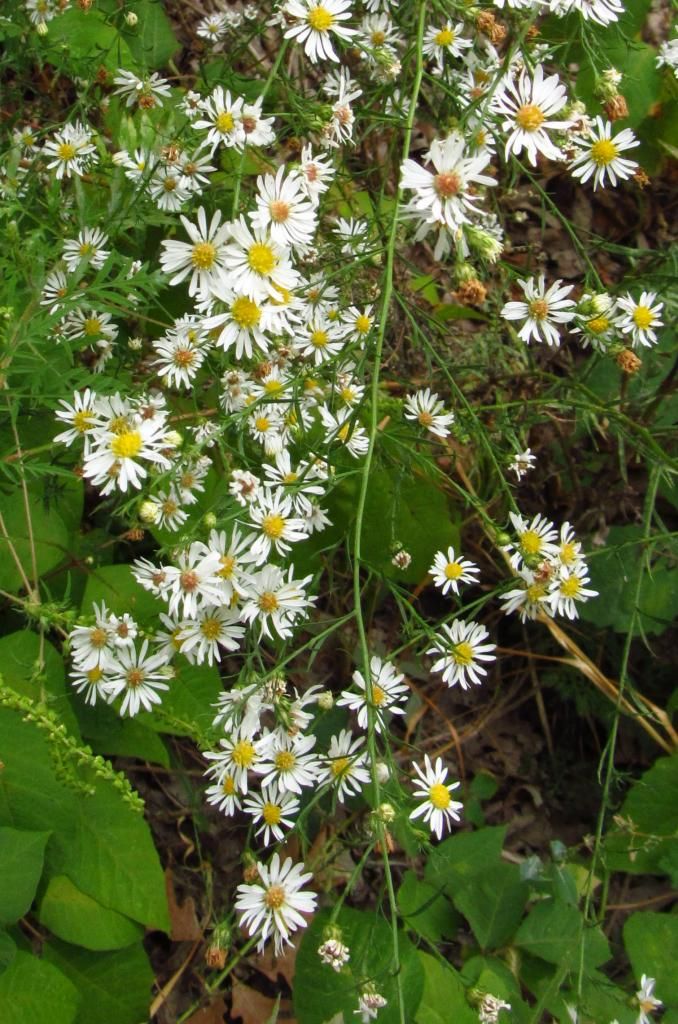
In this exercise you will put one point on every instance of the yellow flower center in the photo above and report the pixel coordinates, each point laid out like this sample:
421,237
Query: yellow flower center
463,653
530,117
530,542
82,420
203,255
447,184
535,591
65,151
598,325
439,796
444,38
243,754
363,323
224,122
280,211
272,387
227,566
273,526
570,587
343,434
271,814
319,339
425,418
453,570
268,602
228,786
642,317
169,184
538,308
94,675
134,677
184,357
85,249
210,628
568,552
98,637
274,897
378,695
320,19
284,760
91,327
261,258
378,38
245,312
262,424
127,445
347,394
603,152
340,766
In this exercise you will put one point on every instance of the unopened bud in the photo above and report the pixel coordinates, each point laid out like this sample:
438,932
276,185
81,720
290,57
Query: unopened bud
326,700
131,19
386,813
628,361
173,438
149,512
209,520
616,107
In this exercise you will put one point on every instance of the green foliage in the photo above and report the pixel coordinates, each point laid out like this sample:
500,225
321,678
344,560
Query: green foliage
646,836
651,941
46,535
72,915
34,990
114,987
444,996
21,860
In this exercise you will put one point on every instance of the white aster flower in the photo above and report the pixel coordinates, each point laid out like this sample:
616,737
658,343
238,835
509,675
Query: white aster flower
541,310
222,119
647,1001
438,808
535,540
445,41
601,12
530,598
81,418
90,682
461,648
284,210
88,247
344,427
212,28
94,646
448,194
272,515
147,92
448,571
169,188
179,360
257,266
113,460
288,762
668,55
213,628
334,953
275,601
568,589
71,150
370,1002
522,463
426,409
203,257
194,582
387,693
316,173
274,905
258,129
224,796
527,107
598,155
345,765
239,754
275,811
137,676
640,317
317,21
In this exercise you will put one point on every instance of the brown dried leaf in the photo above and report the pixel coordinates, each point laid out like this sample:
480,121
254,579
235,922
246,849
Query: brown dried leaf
212,1014
184,925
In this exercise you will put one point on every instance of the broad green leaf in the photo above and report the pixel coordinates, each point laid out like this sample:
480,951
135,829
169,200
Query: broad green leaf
187,705
554,931
114,988
30,796
463,856
649,841
425,909
600,1000
108,733
493,903
444,996
491,975
77,918
33,991
651,941
49,539
21,859
20,655
151,41
115,585
88,39
320,993
7,950
109,855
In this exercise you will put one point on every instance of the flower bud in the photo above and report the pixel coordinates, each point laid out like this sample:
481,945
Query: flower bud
149,511
131,19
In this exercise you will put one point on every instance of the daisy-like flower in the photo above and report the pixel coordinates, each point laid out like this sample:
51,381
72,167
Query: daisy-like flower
114,457
194,582
93,646
224,796
90,682
169,188
461,649
639,318
568,589
272,514
345,765
274,905
541,310
334,953
258,129
71,150
284,210
448,571
339,129
647,1000
81,418
345,428
447,194
222,120
257,266
598,155
522,463
438,807
196,169
239,754
323,339
276,601
89,247
235,553
301,480
317,21
147,92
387,692
89,324
596,320
316,173
275,811
569,548
54,290
243,486
445,41
667,56
288,763
535,540
203,257
139,677
601,12
370,1002
213,28
124,629
527,107
530,598
425,408
245,324
179,360
213,628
